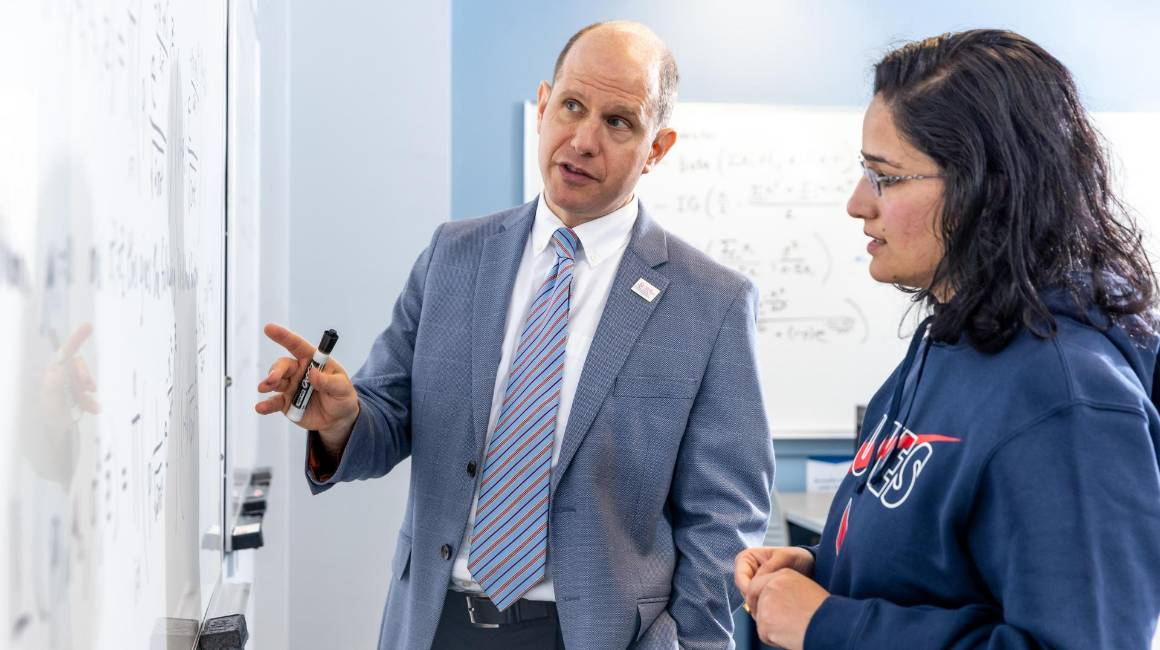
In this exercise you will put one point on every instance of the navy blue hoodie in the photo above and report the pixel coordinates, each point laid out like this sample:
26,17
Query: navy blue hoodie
1007,500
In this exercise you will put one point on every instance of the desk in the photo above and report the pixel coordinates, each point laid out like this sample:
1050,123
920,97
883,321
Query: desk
805,511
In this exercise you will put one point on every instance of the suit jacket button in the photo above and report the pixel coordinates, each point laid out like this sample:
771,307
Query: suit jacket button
471,469
445,551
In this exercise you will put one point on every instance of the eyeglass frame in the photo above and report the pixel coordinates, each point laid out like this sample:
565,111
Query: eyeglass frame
879,181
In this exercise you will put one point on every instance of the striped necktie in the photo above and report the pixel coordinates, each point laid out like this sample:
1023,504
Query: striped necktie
509,542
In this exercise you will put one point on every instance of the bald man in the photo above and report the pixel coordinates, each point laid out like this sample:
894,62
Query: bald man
577,391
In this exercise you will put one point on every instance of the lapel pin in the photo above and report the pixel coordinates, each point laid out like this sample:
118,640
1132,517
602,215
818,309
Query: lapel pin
645,290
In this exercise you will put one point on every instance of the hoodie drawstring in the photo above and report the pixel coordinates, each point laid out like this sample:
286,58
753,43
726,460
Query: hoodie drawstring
920,336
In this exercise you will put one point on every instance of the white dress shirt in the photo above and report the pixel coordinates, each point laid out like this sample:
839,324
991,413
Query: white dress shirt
602,244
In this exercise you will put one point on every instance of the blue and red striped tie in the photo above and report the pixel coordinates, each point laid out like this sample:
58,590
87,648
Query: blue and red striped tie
509,542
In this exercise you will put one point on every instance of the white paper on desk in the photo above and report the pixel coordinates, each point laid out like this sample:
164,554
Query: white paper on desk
825,473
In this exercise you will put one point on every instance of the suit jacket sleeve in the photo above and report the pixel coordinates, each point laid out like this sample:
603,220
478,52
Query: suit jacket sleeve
382,433
720,497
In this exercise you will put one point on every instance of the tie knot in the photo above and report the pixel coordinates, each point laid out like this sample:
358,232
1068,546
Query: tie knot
566,243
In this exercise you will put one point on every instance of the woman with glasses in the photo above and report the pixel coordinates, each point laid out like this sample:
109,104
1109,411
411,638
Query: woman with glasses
1006,491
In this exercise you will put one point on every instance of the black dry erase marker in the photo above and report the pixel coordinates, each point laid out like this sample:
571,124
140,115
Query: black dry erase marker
305,390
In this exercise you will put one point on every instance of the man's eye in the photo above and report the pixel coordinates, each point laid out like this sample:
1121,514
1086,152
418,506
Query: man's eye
617,122
571,105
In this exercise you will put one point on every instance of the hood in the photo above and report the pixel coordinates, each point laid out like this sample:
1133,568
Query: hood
1134,335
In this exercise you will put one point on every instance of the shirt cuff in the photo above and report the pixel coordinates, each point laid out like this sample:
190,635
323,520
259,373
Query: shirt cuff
322,471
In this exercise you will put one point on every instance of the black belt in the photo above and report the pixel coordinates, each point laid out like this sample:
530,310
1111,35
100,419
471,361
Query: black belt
481,612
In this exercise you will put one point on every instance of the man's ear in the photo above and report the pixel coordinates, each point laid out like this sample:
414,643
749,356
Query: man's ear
664,140
542,95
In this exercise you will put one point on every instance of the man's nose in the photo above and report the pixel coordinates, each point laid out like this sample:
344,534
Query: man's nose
586,138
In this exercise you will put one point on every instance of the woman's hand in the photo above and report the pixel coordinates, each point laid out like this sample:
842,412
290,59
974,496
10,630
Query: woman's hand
785,602
779,592
762,560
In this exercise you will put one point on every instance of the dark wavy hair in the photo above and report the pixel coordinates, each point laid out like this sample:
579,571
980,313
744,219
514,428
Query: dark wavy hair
1027,206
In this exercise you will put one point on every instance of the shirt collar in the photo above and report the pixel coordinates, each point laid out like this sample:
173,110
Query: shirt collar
599,238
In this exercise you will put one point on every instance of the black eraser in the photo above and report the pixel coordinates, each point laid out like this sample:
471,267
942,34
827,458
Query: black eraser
224,633
247,533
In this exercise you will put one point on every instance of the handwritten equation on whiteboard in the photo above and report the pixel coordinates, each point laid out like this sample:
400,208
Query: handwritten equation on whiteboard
735,184
774,212
779,277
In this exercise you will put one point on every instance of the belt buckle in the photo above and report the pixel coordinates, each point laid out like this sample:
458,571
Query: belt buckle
471,615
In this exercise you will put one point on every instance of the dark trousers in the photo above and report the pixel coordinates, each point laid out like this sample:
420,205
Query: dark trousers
455,632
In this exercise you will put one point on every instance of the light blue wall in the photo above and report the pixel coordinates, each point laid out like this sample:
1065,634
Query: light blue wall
761,51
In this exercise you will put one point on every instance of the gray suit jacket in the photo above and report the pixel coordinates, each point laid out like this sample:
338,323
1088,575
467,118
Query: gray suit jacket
666,466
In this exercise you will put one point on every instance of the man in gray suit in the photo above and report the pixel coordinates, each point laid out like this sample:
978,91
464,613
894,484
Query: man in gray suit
577,391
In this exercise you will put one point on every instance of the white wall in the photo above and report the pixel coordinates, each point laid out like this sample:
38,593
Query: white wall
270,628
356,175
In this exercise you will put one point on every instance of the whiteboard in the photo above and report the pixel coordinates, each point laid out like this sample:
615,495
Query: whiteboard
763,190
112,178
1134,141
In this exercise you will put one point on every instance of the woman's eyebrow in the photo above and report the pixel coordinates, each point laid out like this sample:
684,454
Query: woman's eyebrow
879,159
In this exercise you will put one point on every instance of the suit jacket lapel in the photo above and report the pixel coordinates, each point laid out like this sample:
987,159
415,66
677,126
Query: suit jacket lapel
498,264
624,317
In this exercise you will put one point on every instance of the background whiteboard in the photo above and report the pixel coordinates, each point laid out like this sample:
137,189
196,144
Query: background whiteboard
763,190
112,218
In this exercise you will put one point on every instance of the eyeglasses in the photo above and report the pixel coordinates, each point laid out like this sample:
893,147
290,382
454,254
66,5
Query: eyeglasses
880,181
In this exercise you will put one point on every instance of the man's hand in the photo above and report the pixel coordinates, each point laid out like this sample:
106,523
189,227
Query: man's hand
784,602
333,408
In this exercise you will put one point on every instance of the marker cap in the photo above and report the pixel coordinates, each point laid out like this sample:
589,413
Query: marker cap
329,338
